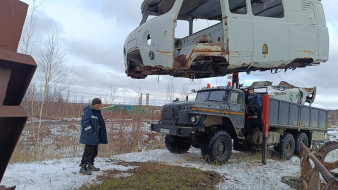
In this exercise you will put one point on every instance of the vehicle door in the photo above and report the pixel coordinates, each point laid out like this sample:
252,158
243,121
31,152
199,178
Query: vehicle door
216,98
238,33
271,33
237,108
155,38
303,29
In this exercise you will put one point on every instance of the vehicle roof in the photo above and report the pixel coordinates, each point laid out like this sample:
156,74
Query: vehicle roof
219,88
203,9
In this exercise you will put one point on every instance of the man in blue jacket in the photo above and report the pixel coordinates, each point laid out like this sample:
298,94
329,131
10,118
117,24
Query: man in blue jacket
254,103
93,132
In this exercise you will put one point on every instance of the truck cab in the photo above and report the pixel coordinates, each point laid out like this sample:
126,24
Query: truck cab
247,35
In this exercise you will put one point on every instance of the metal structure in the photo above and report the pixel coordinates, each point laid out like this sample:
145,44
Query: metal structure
147,99
287,92
7,188
245,36
16,72
310,173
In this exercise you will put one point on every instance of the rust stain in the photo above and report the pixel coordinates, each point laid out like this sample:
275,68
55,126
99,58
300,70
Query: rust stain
181,62
165,53
282,65
306,51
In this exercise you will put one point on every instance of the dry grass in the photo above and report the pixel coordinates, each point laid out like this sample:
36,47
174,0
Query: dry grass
156,176
127,132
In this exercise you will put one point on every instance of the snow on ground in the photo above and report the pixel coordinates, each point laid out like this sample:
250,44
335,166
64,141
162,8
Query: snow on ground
242,171
332,134
63,173
53,174
237,173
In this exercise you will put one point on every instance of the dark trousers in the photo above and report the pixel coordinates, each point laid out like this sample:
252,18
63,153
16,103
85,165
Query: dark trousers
89,154
255,109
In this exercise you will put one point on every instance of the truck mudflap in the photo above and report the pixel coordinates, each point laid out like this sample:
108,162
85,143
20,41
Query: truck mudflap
172,130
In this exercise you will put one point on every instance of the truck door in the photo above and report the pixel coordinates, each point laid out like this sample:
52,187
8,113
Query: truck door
271,33
238,40
237,108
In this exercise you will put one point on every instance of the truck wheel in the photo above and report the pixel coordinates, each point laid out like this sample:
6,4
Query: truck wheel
287,146
218,149
176,144
301,138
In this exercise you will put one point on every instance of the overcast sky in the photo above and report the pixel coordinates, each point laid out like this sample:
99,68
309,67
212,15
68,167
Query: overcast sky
92,34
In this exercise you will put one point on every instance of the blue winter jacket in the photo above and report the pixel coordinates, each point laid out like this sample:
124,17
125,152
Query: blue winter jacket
254,99
93,130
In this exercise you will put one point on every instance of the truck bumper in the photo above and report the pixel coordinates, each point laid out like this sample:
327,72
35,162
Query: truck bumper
172,130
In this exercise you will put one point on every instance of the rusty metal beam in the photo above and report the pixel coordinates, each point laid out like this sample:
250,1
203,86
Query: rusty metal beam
16,72
12,18
7,188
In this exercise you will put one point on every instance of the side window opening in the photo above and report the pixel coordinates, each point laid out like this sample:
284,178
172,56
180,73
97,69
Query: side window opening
182,29
234,98
268,8
237,6
201,24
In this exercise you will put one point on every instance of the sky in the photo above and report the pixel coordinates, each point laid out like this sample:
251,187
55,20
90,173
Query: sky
92,34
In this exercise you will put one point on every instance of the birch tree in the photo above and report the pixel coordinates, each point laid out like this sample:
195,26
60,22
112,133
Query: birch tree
26,44
170,87
52,69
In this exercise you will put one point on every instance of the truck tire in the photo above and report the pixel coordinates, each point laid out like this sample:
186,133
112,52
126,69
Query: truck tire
178,145
287,146
301,138
218,148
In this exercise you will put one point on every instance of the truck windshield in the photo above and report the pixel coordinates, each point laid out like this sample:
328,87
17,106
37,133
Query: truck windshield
216,96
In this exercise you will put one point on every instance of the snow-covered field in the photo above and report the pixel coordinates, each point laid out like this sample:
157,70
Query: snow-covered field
241,172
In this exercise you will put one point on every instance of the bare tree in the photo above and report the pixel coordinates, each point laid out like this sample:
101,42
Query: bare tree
184,91
112,94
170,87
28,30
52,69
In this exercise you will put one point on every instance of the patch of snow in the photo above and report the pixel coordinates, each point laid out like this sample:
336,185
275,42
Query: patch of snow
53,174
236,174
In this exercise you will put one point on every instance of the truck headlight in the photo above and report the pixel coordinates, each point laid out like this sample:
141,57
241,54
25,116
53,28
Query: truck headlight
193,119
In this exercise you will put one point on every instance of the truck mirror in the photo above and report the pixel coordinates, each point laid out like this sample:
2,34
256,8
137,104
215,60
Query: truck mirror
193,91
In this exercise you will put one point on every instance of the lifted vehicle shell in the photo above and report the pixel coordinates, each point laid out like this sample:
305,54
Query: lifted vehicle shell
288,34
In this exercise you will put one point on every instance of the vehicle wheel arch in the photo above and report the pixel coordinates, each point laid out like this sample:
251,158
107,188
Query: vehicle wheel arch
228,127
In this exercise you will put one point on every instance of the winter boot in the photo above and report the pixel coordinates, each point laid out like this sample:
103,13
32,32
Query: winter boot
91,167
84,170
